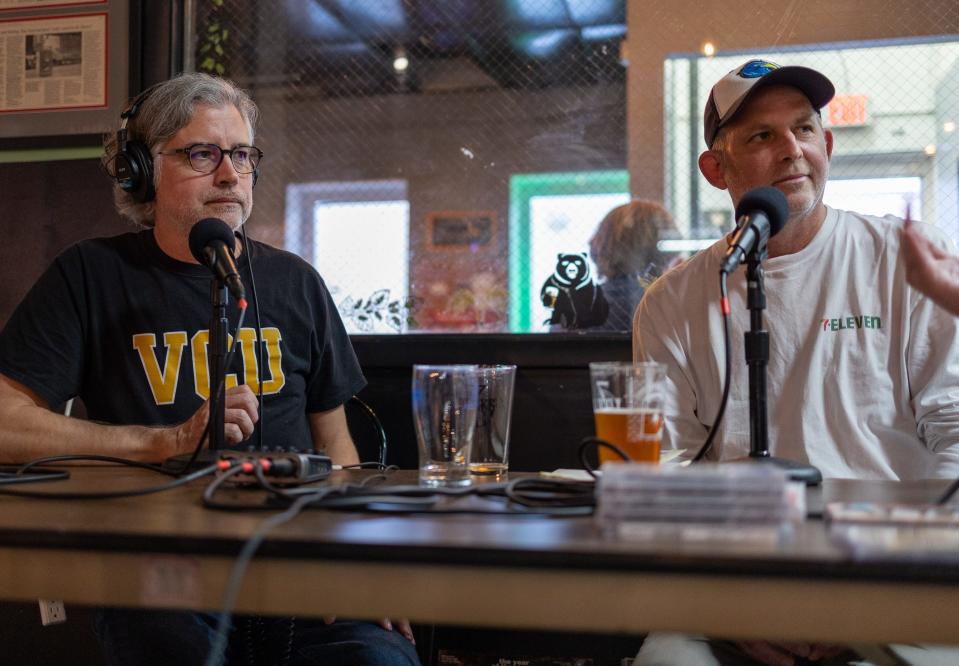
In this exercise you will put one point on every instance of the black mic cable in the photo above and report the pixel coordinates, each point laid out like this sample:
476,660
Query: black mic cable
378,426
261,421
237,573
598,443
727,373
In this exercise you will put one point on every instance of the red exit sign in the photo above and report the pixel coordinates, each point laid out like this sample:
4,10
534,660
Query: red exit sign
847,110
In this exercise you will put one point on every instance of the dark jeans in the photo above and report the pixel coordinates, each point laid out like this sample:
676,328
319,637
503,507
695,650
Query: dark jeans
151,638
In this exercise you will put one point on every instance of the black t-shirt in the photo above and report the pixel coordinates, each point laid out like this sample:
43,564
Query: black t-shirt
124,326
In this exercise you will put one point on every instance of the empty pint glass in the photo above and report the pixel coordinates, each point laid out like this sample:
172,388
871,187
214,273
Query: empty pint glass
489,455
628,408
444,414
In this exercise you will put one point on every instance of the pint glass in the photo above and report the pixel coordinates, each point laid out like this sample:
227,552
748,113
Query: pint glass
628,408
444,415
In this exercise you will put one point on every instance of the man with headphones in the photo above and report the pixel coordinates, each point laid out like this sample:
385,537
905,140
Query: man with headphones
122,322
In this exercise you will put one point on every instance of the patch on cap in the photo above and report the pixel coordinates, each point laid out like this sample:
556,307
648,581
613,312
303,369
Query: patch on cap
756,68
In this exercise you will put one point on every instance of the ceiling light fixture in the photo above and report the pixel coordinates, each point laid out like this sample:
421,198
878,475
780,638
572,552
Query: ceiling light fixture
400,61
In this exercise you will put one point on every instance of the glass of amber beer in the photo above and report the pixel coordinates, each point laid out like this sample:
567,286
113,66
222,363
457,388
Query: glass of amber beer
628,408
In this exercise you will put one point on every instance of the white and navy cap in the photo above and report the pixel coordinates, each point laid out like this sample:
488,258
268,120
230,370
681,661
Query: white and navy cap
731,92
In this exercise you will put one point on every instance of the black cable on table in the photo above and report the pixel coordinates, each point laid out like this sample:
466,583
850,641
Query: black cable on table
598,443
11,475
532,495
95,458
113,494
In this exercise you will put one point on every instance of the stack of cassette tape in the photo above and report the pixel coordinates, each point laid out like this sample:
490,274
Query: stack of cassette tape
631,495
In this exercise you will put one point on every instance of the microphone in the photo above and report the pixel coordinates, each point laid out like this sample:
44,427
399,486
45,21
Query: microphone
762,213
212,244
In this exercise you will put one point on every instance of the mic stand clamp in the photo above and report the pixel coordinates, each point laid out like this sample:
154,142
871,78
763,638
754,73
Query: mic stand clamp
757,358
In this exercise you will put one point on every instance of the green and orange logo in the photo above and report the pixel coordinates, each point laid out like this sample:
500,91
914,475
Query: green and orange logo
851,323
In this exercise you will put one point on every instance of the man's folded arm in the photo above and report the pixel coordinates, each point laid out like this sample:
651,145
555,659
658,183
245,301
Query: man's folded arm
29,430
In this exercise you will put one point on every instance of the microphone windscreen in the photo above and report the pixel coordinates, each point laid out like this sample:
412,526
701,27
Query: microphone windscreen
768,200
205,232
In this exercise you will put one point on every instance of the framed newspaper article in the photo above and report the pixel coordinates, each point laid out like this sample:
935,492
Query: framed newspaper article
64,66
10,5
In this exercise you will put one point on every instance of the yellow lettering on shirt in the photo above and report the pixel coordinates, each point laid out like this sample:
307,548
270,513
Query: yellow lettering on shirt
246,341
162,384
277,380
199,346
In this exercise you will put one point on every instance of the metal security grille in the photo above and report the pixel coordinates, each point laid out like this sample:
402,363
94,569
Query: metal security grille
396,134
893,122
446,164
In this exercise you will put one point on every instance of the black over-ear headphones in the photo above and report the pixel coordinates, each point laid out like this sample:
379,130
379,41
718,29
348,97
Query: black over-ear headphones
133,163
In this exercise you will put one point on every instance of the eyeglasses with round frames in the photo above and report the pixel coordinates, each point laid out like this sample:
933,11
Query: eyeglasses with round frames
207,157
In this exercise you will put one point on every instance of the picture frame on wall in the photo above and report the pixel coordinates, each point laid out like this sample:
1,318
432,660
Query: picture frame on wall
461,230
66,67
11,5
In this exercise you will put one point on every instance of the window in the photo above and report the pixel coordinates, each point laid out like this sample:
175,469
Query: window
499,119
452,99
877,196
893,121
553,214
357,237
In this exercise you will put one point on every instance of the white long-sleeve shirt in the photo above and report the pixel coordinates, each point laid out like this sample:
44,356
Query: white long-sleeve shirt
863,375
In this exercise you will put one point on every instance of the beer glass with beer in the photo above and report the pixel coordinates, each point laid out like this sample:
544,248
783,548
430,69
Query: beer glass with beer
628,408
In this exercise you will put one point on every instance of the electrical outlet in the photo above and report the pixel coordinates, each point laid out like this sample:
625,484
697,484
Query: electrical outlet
52,612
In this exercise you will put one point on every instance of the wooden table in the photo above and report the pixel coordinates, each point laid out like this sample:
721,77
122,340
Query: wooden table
167,550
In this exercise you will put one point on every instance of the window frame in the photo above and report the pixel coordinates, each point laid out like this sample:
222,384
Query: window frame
522,188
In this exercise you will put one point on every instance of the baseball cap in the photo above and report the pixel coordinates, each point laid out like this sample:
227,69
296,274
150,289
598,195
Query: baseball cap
731,91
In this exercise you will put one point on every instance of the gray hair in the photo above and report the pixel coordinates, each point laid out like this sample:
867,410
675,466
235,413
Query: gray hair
165,110
625,241
720,146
